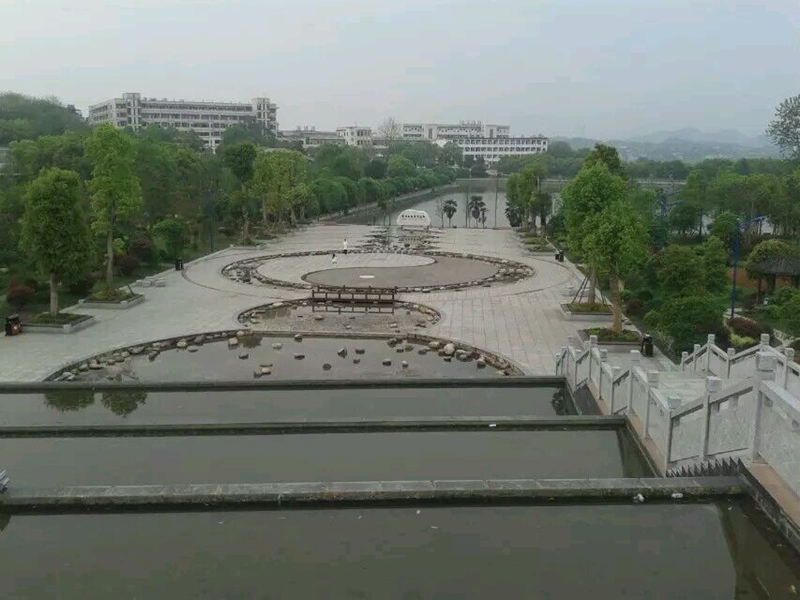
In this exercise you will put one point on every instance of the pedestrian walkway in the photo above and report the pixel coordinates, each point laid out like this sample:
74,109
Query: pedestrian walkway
521,321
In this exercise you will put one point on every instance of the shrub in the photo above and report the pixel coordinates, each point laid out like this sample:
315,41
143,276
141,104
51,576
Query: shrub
782,295
789,314
688,320
745,327
112,295
83,285
127,264
742,342
19,295
144,249
635,307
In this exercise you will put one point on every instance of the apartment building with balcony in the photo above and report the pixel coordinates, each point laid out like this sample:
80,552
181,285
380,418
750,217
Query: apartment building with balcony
493,149
309,137
355,135
207,119
441,131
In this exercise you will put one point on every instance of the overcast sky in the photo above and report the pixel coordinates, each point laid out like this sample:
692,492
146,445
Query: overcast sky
559,67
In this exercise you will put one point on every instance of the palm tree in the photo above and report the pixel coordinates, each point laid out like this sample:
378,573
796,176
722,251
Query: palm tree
474,206
450,208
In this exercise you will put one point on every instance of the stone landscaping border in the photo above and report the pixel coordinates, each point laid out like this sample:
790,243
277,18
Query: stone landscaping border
122,304
584,316
245,316
509,271
72,327
456,350
582,333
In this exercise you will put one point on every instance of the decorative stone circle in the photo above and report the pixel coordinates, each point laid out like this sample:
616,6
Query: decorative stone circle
117,359
509,271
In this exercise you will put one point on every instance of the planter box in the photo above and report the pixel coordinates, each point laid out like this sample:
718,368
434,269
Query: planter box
87,303
584,316
72,327
632,344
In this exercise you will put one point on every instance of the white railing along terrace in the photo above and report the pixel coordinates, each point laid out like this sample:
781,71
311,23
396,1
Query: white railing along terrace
757,414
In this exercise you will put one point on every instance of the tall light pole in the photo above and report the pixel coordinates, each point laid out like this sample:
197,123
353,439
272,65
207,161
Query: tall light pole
496,183
739,226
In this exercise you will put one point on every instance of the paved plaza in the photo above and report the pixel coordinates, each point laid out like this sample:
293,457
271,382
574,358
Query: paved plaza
521,321
443,270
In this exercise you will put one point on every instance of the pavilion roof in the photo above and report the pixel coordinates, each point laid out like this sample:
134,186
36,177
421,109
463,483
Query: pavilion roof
782,265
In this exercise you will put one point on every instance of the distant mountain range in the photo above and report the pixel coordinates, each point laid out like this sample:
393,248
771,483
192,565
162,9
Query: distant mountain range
689,145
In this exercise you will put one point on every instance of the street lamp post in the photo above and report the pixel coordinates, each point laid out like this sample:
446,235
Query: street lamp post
739,226
496,183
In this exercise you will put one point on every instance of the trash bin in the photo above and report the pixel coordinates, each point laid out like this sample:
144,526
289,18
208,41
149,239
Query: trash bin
13,326
647,345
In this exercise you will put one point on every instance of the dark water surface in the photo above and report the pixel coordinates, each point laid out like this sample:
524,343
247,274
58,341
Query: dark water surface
215,361
83,407
692,552
47,462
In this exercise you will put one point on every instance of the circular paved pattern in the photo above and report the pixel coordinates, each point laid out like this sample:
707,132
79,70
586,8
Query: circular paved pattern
444,270
294,268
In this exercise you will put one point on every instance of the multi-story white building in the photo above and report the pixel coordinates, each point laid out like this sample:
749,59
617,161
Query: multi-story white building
354,135
207,119
493,149
309,137
463,130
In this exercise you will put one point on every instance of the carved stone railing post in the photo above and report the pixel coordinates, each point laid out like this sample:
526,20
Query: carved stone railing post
711,340
636,356
789,353
713,386
765,371
652,383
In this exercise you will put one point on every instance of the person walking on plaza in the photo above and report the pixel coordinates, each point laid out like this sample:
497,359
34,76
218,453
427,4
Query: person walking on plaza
344,246
333,258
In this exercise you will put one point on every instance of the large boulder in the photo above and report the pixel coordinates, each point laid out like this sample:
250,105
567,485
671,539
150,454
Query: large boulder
449,349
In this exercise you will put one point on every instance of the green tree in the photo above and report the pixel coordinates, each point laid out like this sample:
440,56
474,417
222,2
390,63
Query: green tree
680,271
688,319
275,174
592,189
784,129
451,155
617,241
400,166
474,206
450,209
26,117
724,227
115,189
715,264
54,231
173,232
376,168
239,159
608,155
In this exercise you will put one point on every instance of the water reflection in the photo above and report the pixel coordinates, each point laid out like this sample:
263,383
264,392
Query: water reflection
69,400
123,402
